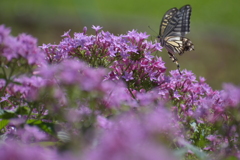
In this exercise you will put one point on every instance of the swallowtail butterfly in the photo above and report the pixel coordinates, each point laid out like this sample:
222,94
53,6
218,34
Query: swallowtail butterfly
174,25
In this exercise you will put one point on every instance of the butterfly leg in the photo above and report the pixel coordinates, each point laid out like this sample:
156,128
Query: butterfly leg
175,60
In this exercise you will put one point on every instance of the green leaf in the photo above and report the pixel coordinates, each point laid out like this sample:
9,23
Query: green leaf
2,76
47,143
6,114
231,158
3,123
46,127
1,112
199,153
22,110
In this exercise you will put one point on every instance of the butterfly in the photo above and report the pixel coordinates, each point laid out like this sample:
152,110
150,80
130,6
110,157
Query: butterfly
174,25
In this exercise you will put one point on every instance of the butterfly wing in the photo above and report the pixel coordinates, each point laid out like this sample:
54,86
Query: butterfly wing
164,25
180,22
178,45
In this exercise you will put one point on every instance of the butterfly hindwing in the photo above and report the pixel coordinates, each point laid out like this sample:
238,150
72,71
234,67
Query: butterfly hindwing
178,44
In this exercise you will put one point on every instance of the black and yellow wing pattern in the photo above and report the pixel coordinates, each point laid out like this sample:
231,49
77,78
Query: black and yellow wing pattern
173,28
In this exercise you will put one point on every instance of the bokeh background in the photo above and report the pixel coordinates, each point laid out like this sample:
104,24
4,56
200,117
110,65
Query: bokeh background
215,27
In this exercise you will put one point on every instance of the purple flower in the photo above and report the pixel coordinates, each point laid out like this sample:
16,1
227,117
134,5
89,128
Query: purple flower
143,35
77,114
96,81
130,136
103,122
84,30
150,98
112,51
31,134
5,98
28,87
231,95
10,49
158,47
128,76
2,83
66,34
116,95
96,28
132,48
4,33
24,152
176,95
24,46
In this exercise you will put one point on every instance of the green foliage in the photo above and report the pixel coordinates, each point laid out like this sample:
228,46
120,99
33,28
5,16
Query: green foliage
47,127
3,123
197,153
5,114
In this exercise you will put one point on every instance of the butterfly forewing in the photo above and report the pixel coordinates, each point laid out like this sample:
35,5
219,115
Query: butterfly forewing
164,23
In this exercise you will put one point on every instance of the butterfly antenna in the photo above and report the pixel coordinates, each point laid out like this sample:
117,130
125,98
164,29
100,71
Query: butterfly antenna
152,29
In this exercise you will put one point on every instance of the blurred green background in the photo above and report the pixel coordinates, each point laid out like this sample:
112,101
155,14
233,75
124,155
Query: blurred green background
214,27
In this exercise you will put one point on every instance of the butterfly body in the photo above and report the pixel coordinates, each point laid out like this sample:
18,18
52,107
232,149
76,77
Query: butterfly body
174,25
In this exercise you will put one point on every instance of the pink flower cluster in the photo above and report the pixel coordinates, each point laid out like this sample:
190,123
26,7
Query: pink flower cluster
107,97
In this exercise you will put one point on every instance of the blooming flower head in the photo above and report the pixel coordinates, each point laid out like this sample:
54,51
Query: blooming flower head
96,28
4,33
129,137
108,97
129,56
24,46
